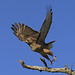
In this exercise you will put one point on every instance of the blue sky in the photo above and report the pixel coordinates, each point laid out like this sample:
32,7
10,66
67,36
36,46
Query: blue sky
33,13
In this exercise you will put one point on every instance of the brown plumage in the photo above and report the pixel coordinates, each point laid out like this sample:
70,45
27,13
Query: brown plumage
35,39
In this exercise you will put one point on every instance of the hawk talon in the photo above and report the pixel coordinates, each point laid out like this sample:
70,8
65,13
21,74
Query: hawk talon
54,58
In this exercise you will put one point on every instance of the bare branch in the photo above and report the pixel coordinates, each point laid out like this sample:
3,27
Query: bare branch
53,70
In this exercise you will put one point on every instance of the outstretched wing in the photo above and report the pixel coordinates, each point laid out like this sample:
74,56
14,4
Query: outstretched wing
45,27
24,33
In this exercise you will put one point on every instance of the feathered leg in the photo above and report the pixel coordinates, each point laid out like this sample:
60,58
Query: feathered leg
49,53
46,56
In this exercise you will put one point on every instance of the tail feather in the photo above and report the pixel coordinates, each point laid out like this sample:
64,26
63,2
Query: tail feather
51,42
50,45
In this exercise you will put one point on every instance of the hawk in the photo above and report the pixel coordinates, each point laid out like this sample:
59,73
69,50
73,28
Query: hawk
35,39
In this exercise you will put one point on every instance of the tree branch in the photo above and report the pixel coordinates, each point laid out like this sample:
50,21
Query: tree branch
53,70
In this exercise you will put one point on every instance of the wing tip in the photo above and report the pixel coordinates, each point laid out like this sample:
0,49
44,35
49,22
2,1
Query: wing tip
15,34
12,28
51,10
48,8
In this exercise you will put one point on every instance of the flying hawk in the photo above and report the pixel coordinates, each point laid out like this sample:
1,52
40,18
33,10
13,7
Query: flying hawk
35,39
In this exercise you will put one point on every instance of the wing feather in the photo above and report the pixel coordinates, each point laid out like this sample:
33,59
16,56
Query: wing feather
14,27
45,27
17,25
24,33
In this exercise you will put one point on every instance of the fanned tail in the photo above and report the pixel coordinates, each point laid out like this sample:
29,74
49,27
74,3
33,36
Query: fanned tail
50,44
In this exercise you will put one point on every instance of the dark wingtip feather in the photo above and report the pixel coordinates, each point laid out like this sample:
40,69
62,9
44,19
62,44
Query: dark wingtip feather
14,27
15,34
17,25
50,9
22,25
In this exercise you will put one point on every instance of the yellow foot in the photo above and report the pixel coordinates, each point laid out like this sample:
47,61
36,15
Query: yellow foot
54,58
